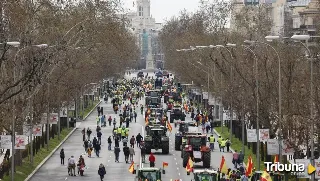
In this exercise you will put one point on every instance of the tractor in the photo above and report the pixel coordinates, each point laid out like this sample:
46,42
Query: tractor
156,138
197,150
148,174
183,128
204,175
177,114
185,138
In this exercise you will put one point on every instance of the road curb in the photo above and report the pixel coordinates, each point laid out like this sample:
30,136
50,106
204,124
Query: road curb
232,150
57,147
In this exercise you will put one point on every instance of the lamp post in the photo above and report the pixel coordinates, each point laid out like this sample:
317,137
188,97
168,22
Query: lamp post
231,83
251,43
306,38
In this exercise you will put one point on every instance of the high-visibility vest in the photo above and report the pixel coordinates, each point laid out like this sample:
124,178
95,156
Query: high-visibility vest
119,130
223,143
212,139
115,131
123,132
219,140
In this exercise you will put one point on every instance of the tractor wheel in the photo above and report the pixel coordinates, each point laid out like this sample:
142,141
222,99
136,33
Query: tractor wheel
206,159
185,159
177,143
148,147
165,147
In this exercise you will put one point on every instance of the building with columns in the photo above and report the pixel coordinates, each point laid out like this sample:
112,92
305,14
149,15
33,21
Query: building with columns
145,28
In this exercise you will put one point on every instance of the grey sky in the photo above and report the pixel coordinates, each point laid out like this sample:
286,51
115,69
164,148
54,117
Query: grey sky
164,9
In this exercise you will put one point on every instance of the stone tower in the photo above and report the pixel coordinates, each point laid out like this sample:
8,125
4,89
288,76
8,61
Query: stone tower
149,59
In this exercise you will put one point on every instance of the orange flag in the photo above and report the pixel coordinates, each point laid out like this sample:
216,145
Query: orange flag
164,164
223,166
131,168
189,166
265,176
276,159
169,126
249,166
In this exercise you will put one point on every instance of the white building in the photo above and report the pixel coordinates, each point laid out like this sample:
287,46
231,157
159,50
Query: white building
144,27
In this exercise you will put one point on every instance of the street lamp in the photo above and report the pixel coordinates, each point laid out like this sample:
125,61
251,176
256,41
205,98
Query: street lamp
306,38
231,83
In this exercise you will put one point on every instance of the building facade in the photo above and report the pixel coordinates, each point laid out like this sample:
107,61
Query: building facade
145,29
288,16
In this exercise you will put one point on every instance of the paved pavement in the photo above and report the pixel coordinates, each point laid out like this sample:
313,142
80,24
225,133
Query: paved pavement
52,170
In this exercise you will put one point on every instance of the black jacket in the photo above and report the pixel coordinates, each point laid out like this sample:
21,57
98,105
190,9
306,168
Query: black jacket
126,150
109,140
62,154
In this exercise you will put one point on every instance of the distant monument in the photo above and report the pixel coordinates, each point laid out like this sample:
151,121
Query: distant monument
149,59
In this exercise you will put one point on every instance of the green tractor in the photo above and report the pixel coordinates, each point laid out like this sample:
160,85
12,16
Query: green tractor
204,175
196,148
149,174
156,138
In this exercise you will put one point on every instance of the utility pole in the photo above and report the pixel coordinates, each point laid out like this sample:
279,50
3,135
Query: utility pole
48,115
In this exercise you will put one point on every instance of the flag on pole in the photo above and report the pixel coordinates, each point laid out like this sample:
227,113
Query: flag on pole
189,166
276,159
265,177
223,166
249,166
164,164
169,126
131,168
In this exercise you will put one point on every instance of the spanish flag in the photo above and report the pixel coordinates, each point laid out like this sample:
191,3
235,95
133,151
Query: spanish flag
276,159
169,126
164,164
265,177
131,168
189,166
249,166
223,166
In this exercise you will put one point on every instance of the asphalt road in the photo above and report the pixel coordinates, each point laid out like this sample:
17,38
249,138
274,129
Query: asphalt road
175,170
53,170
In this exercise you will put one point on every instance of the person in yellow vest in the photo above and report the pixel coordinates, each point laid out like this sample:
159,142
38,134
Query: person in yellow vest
119,130
123,132
219,141
115,133
223,144
212,139
127,132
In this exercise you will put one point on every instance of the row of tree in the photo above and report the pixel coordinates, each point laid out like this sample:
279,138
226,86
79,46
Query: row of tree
64,45
233,69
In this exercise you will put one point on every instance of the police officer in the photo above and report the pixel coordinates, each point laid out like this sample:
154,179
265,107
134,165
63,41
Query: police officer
211,141
119,133
123,132
219,141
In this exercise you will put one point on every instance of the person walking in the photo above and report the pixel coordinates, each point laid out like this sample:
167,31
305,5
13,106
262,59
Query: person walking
99,134
139,139
135,116
114,122
109,143
126,153
94,142
116,154
109,120
131,149
116,142
85,145
72,166
101,171
62,156
228,144
89,133
235,158
132,141
83,134
219,142
223,144
152,159
98,148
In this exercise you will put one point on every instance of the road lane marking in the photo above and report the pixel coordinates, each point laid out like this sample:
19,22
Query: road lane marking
66,178
177,168
175,158
176,163
179,174
108,160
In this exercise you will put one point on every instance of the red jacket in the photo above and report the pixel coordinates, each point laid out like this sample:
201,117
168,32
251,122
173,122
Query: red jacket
152,158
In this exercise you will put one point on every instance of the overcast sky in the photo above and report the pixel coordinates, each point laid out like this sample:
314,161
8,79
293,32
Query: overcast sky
164,9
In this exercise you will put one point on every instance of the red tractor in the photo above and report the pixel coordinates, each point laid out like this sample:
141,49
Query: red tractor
196,148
